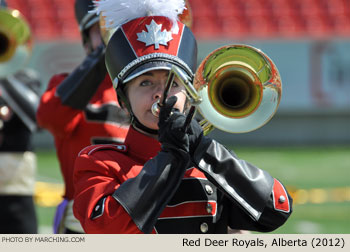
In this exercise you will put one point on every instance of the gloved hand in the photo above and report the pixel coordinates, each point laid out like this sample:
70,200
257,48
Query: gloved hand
195,134
171,127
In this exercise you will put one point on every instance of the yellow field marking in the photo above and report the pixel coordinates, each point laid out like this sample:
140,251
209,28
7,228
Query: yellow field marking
320,195
50,194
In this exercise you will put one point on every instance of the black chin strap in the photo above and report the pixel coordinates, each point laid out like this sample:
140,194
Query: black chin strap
142,127
134,121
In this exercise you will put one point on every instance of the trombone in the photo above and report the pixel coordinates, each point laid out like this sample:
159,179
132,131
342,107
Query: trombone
236,88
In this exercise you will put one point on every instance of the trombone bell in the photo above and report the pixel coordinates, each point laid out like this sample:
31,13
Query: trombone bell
235,92
15,41
7,47
240,89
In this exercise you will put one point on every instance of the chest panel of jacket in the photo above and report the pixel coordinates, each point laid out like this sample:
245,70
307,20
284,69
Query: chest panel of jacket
197,202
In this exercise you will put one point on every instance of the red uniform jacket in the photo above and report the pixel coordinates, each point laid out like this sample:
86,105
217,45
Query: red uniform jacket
75,129
194,205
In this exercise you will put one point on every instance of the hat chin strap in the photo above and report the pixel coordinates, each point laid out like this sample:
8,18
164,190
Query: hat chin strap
137,124
134,121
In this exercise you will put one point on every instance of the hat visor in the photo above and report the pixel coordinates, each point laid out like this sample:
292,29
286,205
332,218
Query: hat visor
147,67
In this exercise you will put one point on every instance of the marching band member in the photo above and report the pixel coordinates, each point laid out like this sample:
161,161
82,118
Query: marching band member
164,178
81,109
19,98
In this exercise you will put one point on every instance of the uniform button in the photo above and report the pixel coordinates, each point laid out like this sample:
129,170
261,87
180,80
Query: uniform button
208,189
281,199
204,227
209,208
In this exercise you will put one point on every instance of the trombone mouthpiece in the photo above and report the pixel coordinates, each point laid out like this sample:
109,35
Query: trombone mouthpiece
155,109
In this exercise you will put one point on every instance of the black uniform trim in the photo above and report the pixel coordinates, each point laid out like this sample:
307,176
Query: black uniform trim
188,44
196,187
98,209
145,196
107,113
106,140
118,54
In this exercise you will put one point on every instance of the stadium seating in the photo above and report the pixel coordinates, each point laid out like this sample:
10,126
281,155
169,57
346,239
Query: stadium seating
233,19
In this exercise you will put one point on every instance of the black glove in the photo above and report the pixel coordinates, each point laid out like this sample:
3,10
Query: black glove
171,127
195,134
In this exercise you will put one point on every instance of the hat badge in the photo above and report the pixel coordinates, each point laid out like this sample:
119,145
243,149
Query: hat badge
154,35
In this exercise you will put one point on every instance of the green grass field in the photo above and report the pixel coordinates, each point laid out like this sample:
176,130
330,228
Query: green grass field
318,177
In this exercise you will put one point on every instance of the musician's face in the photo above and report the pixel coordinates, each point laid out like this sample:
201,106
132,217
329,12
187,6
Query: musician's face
95,36
147,89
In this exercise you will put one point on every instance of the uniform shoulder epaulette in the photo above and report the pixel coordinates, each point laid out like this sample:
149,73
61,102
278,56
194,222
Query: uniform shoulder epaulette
98,147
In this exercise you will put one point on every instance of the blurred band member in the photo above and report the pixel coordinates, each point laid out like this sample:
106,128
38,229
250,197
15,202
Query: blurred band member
19,98
81,109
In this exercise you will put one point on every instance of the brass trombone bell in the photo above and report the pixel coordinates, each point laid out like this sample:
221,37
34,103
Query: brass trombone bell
236,88
15,41
240,88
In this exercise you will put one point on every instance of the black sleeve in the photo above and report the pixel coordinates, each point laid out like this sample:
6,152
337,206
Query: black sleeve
248,187
269,220
80,86
145,196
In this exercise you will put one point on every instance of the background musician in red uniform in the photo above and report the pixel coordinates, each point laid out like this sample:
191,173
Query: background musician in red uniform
81,109
164,178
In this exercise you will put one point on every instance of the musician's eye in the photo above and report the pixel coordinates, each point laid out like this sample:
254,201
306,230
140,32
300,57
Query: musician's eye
175,84
145,83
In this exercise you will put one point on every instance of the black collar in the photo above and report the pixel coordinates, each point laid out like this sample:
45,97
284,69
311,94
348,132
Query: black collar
139,125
